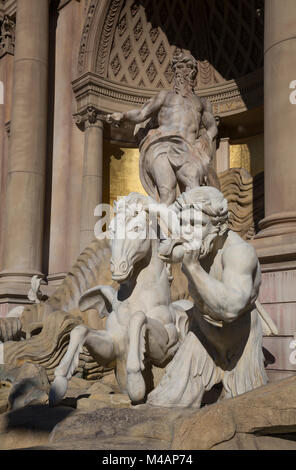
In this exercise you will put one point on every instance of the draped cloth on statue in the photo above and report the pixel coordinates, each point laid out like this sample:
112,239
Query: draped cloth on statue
193,371
182,156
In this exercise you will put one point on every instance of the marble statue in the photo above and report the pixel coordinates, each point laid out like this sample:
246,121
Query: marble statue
143,327
176,131
224,341
215,339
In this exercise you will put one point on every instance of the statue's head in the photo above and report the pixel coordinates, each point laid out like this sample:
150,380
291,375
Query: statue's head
185,69
202,215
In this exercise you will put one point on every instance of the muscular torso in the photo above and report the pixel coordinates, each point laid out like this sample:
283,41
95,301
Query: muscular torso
180,116
225,340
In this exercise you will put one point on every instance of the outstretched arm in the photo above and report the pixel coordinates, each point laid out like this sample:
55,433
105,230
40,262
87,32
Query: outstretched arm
227,299
140,115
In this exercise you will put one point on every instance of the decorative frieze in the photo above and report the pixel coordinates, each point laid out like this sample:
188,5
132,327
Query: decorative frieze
228,98
7,37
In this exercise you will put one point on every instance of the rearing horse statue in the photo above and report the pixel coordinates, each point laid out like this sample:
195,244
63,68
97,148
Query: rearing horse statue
143,327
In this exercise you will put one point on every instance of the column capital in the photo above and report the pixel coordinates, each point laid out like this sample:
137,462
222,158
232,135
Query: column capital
90,116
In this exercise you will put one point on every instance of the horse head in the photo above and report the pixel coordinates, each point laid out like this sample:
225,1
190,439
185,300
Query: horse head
129,233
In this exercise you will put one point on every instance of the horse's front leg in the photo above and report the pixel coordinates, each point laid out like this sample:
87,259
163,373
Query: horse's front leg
99,345
135,385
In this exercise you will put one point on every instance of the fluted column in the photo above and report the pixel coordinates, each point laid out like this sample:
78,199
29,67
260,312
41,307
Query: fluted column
92,174
278,229
22,251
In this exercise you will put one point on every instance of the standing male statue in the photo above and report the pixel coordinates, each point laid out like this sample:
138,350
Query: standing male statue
224,342
176,132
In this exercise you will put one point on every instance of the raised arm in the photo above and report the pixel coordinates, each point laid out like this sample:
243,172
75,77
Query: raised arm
227,299
140,115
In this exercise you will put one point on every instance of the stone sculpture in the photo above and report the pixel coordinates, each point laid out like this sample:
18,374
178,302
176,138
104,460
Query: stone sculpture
219,338
143,327
176,131
224,342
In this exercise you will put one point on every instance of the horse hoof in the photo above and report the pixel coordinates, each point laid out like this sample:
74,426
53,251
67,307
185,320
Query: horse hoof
136,387
58,390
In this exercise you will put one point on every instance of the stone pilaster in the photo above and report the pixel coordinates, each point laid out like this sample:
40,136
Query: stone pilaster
92,172
22,243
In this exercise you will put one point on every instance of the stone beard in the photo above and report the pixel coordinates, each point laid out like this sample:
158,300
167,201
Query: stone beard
183,86
184,83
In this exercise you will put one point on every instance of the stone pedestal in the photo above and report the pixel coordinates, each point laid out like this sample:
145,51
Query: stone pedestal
276,242
22,244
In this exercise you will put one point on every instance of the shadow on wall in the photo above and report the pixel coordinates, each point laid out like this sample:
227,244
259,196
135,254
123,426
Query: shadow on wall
229,34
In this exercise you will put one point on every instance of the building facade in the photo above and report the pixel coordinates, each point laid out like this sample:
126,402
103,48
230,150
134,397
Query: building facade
64,64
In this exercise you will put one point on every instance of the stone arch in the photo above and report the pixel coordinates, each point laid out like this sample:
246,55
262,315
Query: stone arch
127,45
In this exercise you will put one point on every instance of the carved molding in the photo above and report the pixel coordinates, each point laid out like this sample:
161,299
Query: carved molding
7,36
230,97
85,35
107,37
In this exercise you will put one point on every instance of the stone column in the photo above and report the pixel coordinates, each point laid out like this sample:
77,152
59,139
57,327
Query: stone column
92,175
278,229
276,242
22,253
7,42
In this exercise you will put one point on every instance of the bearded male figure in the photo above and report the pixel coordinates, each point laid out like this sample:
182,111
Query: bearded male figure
224,342
176,132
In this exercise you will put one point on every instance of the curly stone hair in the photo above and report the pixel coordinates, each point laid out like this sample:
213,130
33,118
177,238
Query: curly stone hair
181,56
210,201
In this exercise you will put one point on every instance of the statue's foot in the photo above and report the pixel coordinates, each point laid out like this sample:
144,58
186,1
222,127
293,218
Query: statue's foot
136,387
58,390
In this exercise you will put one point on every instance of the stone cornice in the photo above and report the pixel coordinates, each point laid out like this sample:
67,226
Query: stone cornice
227,98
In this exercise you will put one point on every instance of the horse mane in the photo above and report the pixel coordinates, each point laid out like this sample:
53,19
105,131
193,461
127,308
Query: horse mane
132,204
